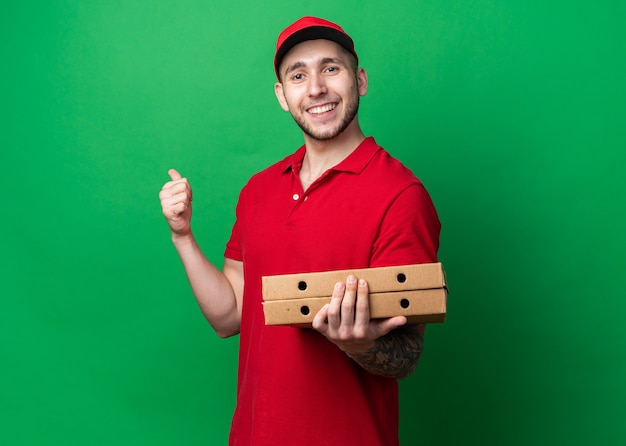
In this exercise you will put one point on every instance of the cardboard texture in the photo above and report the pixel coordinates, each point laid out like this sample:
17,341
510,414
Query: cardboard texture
418,292
380,280
419,306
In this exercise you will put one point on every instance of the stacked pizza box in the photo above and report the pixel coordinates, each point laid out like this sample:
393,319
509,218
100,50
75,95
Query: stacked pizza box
418,292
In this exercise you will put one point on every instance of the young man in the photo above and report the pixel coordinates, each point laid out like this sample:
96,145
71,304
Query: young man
339,202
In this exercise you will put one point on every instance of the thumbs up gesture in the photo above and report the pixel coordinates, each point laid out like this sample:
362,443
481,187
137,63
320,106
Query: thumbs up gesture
176,199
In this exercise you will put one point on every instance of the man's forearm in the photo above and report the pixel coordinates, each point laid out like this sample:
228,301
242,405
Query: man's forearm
215,291
394,355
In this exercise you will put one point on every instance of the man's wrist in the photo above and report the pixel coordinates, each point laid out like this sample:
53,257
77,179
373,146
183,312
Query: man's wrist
359,349
394,355
180,240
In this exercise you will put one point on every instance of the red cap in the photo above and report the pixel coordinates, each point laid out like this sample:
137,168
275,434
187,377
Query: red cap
310,28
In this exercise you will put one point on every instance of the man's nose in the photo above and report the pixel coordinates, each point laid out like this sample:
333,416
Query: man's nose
317,85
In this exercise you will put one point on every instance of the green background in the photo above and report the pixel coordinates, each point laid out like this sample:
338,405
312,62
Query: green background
512,113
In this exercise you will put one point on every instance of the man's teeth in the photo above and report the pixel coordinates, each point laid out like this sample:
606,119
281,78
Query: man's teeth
321,109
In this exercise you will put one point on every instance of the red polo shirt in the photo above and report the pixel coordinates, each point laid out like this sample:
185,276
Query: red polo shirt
294,386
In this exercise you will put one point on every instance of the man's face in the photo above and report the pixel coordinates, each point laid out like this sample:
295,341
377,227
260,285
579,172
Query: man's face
320,88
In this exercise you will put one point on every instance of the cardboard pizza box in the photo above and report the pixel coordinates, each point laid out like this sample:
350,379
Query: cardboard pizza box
419,306
380,280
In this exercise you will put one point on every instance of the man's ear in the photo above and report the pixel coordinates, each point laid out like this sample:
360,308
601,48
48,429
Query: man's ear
280,95
361,79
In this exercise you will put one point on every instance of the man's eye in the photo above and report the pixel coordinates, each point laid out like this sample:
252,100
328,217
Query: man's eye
297,77
331,69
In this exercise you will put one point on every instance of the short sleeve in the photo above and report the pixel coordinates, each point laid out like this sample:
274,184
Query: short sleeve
409,231
234,245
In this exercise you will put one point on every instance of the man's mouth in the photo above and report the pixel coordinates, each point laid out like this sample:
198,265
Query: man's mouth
318,110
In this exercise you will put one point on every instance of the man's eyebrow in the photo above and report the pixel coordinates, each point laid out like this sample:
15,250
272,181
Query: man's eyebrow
294,66
336,60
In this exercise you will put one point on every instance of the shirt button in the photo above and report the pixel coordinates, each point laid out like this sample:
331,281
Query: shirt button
295,197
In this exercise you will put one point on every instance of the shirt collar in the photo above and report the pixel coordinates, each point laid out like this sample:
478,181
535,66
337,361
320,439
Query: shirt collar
355,162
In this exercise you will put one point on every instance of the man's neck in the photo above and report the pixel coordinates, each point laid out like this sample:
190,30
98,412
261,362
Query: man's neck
322,155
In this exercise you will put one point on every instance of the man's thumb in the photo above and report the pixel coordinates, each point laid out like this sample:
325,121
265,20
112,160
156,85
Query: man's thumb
174,175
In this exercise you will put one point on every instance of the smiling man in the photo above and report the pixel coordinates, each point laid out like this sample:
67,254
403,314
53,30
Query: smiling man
326,88
339,202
